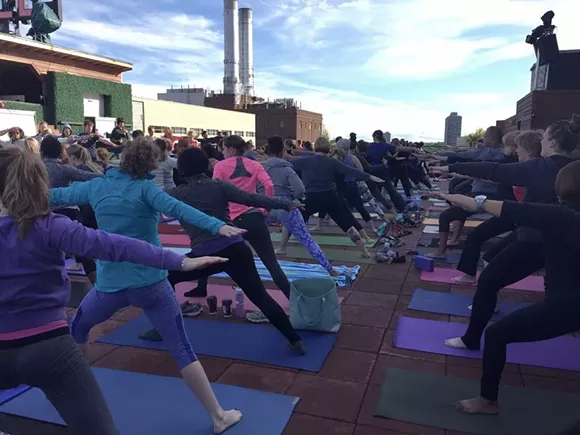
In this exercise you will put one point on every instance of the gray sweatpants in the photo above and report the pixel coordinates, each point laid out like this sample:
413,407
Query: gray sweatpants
58,367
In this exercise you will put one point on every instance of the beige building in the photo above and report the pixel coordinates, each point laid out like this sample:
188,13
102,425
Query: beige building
184,117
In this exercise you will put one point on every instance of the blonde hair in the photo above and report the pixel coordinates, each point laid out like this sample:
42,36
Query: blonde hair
82,154
167,131
322,145
509,144
103,154
531,141
32,145
24,190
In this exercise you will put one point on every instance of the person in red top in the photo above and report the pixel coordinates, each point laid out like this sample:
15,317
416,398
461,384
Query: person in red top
246,174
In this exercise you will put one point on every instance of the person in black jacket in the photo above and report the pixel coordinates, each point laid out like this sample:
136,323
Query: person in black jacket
557,314
525,255
119,135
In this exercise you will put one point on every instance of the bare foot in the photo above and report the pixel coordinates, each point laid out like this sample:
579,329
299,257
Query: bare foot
455,343
75,267
228,419
334,272
453,243
436,255
464,279
477,405
365,253
280,251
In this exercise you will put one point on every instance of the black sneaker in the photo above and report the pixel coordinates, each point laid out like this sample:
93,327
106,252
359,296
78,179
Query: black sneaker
298,348
189,309
150,335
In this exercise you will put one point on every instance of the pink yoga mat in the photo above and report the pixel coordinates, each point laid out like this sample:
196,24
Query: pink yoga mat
429,336
175,239
226,292
531,283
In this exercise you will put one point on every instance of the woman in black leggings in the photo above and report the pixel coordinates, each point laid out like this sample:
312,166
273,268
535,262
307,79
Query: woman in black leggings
557,315
213,197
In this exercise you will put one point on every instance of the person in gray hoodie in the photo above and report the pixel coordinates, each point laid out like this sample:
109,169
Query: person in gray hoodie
288,185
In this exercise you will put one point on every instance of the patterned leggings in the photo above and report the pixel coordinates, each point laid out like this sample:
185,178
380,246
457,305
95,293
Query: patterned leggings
294,222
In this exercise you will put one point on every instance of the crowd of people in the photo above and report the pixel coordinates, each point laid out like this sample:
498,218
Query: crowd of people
100,199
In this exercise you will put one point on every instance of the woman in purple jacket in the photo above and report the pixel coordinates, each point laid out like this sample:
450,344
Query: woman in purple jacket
36,346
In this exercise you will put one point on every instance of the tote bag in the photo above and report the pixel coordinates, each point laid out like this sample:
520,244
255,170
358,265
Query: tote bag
314,305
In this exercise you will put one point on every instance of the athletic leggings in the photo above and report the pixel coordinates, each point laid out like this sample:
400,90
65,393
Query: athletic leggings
294,223
460,186
398,169
350,193
515,262
242,269
418,176
475,240
375,190
383,173
452,214
367,196
160,305
557,315
330,203
58,368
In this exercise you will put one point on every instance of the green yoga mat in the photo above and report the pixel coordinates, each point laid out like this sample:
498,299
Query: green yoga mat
427,399
351,256
324,240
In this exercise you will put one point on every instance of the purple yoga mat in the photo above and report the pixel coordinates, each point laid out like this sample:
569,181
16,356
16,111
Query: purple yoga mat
533,283
428,336
70,262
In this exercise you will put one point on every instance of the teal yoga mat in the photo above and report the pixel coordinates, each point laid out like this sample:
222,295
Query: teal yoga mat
427,399
325,240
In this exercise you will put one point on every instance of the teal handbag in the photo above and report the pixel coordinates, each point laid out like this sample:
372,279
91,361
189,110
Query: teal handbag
314,305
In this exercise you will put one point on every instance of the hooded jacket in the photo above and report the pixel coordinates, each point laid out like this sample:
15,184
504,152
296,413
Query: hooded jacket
286,180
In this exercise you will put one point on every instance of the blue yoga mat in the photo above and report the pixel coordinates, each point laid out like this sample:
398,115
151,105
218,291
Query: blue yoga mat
153,405
294,270
255,343
455,305
7,395
453,257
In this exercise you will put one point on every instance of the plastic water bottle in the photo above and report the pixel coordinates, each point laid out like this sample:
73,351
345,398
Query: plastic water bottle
239,297
348,276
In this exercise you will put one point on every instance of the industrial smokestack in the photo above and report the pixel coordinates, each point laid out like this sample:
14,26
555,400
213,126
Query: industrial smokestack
247,51
231,48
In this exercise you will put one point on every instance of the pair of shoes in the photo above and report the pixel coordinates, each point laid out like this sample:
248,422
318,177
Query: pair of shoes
256,317
189,309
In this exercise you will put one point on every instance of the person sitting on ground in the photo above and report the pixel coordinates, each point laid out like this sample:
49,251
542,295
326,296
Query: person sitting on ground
288,185
215,197
557,314
526,251
36,344
318,175
528,147
126,202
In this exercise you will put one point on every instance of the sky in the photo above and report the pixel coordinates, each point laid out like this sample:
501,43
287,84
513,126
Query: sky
397,65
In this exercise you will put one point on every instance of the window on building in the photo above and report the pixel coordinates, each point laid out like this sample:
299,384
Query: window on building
519,126
196,130
310,126
158,129
250,134
212,132
300,125
239,133
179,131
281,124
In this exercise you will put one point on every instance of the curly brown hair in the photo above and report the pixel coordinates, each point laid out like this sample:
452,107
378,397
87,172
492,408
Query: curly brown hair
140,157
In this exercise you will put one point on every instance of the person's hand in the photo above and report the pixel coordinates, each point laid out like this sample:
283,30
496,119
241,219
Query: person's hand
201,262
465,202
229,231
377,179
441,169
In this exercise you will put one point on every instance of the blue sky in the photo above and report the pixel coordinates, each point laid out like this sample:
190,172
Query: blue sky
397,65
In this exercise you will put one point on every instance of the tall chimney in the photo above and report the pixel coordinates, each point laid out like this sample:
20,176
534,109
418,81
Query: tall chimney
231,48
247,51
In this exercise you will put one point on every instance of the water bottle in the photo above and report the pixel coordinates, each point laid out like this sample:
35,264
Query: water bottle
348,277
239,297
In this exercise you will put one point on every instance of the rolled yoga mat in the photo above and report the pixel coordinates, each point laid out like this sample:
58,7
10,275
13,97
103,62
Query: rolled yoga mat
233,340
427,399
468,223
533,283
429,336
455,305
7,395
452,257
324,240
153,405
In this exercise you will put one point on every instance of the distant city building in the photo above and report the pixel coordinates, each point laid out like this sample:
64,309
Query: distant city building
452,129
388,136
195,96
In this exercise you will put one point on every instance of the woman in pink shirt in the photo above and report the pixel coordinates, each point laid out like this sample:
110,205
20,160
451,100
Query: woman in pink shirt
246,174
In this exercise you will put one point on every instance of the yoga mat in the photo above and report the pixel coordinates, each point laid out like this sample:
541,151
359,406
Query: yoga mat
8,395
222,292
70,262
475,217
240,341
165,220
295,270
431,229
175,239
154,405
427,399
78,291
324,240
428,336
455,305
533,283
170,229
453,257
468,223
348,255
434,243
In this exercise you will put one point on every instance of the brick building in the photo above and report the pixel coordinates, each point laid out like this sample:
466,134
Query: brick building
63,85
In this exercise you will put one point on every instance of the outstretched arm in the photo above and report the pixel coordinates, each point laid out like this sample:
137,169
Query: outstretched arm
239,196
516,174
75,194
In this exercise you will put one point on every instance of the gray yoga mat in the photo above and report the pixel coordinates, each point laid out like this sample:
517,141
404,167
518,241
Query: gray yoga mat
427,399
